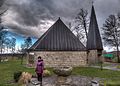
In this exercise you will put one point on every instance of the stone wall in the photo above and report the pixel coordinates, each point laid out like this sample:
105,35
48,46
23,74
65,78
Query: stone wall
11,56
53,59
93,57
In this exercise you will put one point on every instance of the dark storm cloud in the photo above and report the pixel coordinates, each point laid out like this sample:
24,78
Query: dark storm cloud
17,29
104,8
25,13
30,17
31,13
1,2
24,31
34,13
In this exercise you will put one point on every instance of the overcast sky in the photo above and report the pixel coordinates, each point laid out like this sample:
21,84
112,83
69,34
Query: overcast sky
34,17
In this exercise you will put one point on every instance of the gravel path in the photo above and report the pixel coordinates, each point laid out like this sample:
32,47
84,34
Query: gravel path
112,66
70,81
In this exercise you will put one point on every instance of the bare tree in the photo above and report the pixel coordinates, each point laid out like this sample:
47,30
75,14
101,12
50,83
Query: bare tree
2,40
7,44
2,12
111,32
25,46
81,27
13,44
27,43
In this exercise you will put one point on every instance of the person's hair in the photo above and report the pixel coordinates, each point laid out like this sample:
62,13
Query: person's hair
39,57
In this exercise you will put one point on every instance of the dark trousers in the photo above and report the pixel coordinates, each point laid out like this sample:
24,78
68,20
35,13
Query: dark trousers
39,77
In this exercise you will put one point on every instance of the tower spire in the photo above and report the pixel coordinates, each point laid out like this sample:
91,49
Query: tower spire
94,40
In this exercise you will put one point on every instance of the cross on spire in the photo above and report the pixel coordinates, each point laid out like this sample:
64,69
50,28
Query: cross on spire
93,2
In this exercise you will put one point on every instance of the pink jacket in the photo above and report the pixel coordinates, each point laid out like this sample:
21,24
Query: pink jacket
39,67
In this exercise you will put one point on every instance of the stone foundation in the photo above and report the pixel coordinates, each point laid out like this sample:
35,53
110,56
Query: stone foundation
93,57
54,59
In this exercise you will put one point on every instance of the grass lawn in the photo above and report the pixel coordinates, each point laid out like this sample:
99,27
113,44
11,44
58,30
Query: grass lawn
111,77
7,70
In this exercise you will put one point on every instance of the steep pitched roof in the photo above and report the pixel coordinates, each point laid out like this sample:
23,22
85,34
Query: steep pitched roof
58,38
94,38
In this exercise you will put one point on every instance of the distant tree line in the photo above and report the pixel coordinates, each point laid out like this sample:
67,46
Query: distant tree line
27,43
7,43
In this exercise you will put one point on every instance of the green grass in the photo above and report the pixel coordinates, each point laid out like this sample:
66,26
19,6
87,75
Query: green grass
7,70
104,64
111,77
95,72
118,66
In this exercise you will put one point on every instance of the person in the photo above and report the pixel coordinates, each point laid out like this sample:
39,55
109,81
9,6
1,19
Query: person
39,69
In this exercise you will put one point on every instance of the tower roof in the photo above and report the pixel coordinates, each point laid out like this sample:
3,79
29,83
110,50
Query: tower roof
58,38
94,38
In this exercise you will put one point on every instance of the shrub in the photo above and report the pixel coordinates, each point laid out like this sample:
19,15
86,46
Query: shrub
115,59
118,66
17,75
46,73
24,78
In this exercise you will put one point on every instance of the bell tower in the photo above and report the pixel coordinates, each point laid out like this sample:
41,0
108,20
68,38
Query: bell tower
94,43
